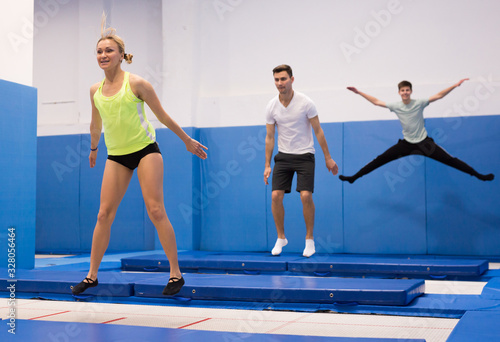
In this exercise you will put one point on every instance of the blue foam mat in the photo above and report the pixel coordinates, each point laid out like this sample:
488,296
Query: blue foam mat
273,288
194,261
492,289
319,265
45,331
406,266
115,284
229,287
477,326
428,305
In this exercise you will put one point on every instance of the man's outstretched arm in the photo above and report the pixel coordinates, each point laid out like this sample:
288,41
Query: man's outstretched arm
370,98
446,91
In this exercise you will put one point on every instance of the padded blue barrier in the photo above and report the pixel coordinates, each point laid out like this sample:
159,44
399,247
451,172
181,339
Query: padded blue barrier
273,288
490,274
45,331
113,284
18,154
180,188
413,205
201,261
384,211
359,265
492,289
68,199
318,264
477,326
427,305
69,192
462,211
58,194
265,288
232,190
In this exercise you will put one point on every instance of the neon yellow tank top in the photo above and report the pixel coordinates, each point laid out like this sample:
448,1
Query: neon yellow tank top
126,127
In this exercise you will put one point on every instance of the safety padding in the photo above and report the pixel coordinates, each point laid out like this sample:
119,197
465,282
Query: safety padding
492,289
384,211
360,265
111,284
18,178
317,265
461,210
29,330
477,326
199,261
283,289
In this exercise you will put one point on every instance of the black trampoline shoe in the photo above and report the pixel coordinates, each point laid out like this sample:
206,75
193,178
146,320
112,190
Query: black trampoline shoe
80,288
350,179
488,177
174,286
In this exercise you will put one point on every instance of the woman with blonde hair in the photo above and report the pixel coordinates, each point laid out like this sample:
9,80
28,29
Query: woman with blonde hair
118,105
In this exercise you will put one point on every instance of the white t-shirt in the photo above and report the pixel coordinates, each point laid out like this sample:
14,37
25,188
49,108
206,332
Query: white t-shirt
294,128
411,117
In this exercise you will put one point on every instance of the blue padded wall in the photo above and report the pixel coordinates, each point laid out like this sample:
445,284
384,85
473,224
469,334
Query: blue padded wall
68,199
58,200
463,216
384,211
233,190
18,147
413,205
180,188
69,196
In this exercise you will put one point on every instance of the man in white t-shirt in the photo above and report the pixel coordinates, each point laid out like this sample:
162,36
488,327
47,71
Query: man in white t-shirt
294,114
410,114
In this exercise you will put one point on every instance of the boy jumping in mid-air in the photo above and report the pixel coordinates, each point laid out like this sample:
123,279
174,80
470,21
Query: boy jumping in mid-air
416,141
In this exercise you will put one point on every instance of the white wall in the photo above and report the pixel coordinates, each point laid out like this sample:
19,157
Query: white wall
65,59
16,41
371,44
211,60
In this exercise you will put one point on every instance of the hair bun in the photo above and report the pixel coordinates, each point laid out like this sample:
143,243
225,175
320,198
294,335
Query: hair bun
128,57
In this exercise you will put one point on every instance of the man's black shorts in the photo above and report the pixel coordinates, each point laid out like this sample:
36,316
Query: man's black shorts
285,165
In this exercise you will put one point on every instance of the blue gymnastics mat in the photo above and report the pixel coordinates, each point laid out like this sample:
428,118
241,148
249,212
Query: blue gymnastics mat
361,265
227,287
202,261
289,289
318,265
492,289
477,326
49,331
116,284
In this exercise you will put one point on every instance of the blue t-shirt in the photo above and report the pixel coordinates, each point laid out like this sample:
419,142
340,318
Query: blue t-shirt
411,117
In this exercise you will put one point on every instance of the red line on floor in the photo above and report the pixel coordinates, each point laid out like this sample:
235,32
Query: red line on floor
114,320
57,313
190,324
287,323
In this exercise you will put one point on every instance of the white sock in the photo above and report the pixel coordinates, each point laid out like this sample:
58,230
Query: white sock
310,249
280,243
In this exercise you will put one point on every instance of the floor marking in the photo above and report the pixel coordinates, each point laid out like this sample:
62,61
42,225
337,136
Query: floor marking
190,324
114,320
57,313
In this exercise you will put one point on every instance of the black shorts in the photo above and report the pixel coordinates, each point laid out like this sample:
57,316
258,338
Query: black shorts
132,160
285,165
